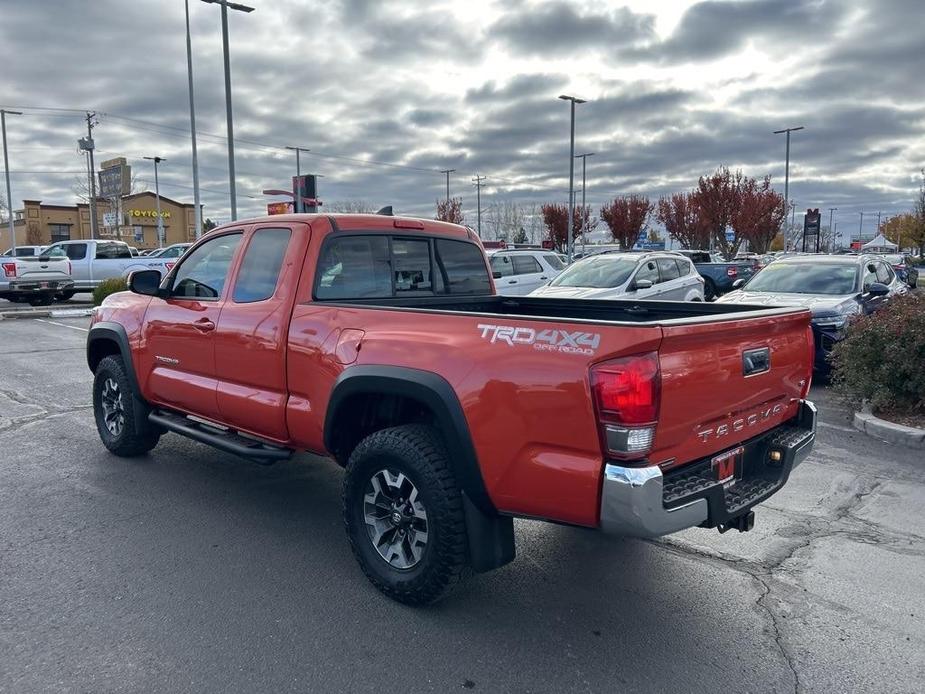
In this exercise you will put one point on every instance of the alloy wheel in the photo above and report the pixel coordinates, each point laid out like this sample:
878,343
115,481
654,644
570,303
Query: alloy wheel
396,520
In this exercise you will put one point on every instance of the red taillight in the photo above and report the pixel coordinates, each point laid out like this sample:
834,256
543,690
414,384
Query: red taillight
9,269
626,395
169,266
732,271
811,341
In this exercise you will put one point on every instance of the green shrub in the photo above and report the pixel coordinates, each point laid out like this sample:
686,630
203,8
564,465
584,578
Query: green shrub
107,287
882,359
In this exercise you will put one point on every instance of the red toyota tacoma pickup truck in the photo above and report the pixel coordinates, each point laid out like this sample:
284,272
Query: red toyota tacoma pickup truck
379,341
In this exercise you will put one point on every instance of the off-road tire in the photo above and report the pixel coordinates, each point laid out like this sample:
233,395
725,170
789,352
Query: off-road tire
130,441
65,296
418,452
44,300
709,289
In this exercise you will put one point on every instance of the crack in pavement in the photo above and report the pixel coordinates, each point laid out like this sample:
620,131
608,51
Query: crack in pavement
19,422
763,571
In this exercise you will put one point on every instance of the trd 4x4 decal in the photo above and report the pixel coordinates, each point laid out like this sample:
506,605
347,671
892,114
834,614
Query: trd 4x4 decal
546,340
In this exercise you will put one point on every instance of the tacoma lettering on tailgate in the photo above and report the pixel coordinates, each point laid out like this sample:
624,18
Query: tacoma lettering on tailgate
546,340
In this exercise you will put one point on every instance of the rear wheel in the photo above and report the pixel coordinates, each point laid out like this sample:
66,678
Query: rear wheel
114,411
404,516
43,300
65,296
709,289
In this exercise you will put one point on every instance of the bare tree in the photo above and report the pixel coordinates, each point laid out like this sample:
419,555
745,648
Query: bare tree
356,206
504,219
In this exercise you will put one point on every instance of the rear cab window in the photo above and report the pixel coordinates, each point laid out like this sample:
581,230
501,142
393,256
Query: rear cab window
112,251
366,266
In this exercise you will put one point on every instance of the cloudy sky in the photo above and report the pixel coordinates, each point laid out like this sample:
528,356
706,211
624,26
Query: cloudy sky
387,93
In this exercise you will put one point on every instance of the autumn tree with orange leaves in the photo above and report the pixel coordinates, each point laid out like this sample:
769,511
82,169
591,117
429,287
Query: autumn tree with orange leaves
680,216
626,217
450,211
759,214
555,218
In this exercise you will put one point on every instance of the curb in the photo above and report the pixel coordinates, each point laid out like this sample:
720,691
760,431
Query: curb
49,313
910,437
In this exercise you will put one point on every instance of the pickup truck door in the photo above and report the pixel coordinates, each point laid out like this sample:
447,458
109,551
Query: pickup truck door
177,364
109,260
253,331
80,264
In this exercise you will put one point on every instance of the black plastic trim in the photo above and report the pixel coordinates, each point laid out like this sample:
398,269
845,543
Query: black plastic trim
115,332
228,441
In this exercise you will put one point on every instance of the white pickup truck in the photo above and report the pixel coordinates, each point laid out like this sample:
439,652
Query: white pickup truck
36,280
93,261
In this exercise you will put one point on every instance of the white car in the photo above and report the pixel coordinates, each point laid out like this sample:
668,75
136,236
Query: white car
519,272
660,276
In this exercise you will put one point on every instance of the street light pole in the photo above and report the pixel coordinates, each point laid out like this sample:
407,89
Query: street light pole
787,163
447,172
228,116
832,211
571,173
478,201
298,173
6,170
192,126
584,162
861,229
157,197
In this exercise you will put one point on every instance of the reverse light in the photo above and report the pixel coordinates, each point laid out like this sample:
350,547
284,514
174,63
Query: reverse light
9,269
626,394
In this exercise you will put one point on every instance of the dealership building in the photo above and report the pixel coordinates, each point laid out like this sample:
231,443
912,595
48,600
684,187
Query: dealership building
40,224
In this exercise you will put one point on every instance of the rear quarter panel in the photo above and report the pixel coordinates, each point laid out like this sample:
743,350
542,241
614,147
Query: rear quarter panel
528,408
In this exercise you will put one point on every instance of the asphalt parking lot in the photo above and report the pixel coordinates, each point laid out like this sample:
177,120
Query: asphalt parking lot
190,570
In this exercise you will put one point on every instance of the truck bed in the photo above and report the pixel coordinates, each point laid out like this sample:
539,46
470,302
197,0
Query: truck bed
572,310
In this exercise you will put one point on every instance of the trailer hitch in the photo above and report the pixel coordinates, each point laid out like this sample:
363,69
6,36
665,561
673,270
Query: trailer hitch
742,523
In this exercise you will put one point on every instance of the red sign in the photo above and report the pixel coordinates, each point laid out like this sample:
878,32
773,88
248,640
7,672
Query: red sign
279,208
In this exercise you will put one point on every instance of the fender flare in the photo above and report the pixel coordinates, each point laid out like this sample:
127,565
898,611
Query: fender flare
491,535
114,332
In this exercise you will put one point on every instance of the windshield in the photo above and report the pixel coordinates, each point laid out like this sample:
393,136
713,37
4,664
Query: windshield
598,272
894,259
805,278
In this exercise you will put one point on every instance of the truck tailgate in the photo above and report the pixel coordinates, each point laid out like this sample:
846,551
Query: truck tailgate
717,388
34,269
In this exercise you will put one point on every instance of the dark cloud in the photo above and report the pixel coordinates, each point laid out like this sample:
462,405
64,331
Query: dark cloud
560,27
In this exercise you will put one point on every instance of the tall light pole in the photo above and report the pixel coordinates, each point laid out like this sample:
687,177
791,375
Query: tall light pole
298,173
571,172
242,8
157,197
478,201
584,179
832,211
787,163
6,170
192,125
861,230
447,172
878,221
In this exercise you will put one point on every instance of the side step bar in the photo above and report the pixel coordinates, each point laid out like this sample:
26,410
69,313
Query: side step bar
223,439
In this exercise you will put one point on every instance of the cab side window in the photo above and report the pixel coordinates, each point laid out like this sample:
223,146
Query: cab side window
354,267
526,265
648,271
202,273
884,273
870,275
262,263
668,269
112,251
502,264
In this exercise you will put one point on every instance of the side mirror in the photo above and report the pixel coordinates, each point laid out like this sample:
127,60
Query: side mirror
496,274
877,289
738,284
146,282
642,284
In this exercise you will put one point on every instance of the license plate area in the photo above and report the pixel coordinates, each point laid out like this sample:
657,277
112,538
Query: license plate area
727,466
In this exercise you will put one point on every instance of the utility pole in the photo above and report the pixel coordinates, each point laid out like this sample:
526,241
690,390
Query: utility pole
860,229
832,211
157,197
228,117
6,170
89,146
192,126
448,172
478,198
571,174
298,173
878,221
787,163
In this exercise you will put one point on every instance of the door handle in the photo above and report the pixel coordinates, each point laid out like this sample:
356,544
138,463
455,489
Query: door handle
543,277
204,325
512,281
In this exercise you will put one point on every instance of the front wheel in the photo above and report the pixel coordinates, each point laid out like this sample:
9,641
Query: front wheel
114,411
65,296
404,514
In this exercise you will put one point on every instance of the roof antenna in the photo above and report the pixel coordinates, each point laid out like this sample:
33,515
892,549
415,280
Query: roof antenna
387,210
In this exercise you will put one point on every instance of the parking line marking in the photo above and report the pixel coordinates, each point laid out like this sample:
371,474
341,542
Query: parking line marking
63,325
